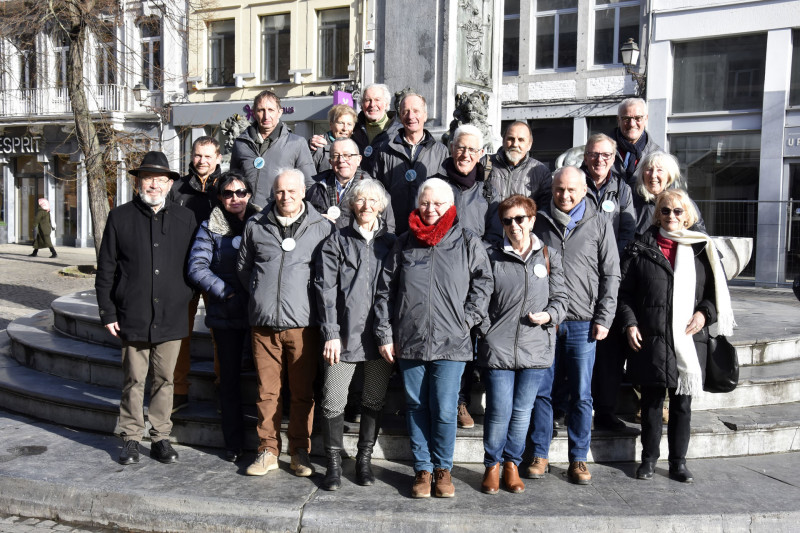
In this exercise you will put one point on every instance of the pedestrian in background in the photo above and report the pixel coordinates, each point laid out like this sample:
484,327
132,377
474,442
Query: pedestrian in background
43,226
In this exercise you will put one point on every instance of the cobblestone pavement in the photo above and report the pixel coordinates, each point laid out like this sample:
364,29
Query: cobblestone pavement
29,284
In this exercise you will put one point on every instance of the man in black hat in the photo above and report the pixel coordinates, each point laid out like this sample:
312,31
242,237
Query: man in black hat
142,295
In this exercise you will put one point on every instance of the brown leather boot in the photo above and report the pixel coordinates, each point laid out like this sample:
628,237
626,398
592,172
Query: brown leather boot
511,478
422,485
443,484
491,479
578,473
539,467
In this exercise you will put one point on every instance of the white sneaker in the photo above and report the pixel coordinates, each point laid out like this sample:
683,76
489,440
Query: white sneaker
265,461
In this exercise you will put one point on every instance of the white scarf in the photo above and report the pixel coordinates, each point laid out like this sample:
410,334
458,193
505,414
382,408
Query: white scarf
288,221
689,373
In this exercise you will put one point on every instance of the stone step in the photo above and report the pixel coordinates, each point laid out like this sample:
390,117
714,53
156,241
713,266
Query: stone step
715,433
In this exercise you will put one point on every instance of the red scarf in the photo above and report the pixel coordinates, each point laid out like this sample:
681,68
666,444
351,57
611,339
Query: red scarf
431,235
668,247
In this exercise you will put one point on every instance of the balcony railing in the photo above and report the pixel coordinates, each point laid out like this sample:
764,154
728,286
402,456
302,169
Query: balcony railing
55,100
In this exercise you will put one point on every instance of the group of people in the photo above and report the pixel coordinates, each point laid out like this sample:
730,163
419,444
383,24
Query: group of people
376,246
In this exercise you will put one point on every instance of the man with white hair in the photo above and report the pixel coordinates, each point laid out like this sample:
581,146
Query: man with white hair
276,260
633,142
513,170
375,124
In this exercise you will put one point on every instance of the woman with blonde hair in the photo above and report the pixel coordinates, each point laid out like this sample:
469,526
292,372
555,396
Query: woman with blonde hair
341,119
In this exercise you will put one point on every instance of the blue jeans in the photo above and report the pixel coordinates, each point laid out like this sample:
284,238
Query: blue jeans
509,399
432,409
575,356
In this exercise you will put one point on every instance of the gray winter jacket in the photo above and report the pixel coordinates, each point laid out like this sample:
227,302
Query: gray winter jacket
348,268
529,178
288,151
510,340
616,204
279,281
591,263
471,204
402,177
430,297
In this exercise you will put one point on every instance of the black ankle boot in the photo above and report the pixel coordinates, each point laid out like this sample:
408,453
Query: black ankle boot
53,252
33,253
367,435
332,438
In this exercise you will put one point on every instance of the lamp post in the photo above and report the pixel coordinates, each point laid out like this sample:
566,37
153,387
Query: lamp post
141,93
630,57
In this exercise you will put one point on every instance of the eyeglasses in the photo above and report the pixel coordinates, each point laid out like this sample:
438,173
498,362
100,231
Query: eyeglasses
435,205
519,219
638,119
678,211
372,202
228,194
344,124
159,181
605,156
461,149
345,157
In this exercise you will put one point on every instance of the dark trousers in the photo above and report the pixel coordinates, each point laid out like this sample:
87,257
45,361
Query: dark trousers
607,375
678,428
229,345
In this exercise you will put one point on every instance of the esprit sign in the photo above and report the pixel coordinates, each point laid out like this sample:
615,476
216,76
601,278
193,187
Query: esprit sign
19,145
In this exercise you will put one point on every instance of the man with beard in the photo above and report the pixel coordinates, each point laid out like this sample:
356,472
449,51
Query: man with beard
633,142
514,171
142,295
197,191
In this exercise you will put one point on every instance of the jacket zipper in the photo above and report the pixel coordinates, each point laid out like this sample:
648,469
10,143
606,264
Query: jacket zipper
430,289
522,310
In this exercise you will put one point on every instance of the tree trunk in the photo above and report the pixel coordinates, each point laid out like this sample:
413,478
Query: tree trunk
85,129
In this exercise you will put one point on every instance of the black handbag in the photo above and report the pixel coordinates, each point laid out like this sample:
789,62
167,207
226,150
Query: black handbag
722,366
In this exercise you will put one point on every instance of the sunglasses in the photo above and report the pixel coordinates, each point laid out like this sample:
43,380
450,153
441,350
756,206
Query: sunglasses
228,194
678,211
519,219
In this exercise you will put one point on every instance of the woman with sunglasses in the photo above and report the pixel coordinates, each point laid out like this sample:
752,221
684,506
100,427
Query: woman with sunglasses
673,287
212,268
528,301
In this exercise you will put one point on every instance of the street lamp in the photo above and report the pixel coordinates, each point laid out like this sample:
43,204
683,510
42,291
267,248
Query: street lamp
141,93
630,57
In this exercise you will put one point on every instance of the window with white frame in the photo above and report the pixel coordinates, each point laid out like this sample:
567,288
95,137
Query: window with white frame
106,56
511,38
60,49
152,71
275,35
27,63
221,53
615,21
333,42
556,33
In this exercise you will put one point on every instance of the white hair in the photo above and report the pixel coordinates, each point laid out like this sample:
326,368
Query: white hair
295,173
387,94
369,187
439,186
629,102
467,129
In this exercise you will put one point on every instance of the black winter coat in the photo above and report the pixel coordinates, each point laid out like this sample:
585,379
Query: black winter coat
645,300
189,192
141,277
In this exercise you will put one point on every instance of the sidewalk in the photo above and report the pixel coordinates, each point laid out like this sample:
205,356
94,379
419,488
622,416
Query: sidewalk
62,474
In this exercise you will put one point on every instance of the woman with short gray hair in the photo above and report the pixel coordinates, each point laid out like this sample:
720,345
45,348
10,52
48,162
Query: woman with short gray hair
348,267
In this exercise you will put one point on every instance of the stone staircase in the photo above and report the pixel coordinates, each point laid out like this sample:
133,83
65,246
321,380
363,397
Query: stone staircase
62,366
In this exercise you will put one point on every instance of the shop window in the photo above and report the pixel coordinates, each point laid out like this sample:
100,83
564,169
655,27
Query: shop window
333,38
719,74
152,70
551,138
556,33
794,90
615,22
221,53
275,42
511,24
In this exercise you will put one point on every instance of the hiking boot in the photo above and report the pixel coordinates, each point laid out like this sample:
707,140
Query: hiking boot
443,483
422,485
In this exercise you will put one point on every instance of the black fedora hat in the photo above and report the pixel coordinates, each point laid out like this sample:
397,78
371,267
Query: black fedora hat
155,162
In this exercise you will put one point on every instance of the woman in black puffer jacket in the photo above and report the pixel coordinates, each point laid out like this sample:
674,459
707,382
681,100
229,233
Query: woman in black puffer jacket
673,287
212,268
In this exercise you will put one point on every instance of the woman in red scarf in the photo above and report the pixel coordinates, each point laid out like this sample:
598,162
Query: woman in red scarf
434,289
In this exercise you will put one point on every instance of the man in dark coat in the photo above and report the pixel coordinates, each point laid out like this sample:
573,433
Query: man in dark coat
142,295
197,191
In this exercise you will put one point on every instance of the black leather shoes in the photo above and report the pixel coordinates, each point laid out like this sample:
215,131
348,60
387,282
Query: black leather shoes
680,473
646,470
162,451
233,456
129,453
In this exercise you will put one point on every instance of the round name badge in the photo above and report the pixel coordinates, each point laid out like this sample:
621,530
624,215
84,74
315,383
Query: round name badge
368,151
608,206
288,244
411,175
236,242
334,212
258,163
540,270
